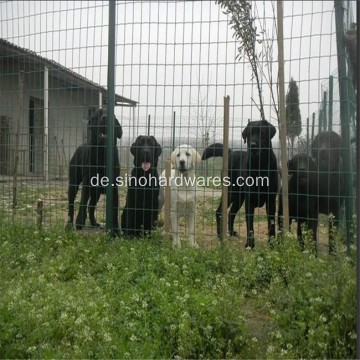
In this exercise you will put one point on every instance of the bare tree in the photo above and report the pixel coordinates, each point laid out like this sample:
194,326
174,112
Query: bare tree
204,117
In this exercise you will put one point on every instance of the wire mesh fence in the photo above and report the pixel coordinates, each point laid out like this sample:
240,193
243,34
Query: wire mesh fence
175,61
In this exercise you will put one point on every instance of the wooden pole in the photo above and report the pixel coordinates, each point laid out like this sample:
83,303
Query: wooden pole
282,120
17,139
39,214
224,211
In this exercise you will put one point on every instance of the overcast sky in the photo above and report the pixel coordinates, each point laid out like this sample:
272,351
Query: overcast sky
178,56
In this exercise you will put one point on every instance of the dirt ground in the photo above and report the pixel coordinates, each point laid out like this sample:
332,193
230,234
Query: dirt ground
54,197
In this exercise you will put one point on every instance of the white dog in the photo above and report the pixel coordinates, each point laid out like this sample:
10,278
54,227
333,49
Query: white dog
183,191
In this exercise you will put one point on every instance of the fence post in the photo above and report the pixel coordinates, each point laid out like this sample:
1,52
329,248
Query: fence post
313,126
46,123
17,140
331,99
167,196
39,214
321,117
307,135
173,132
224,200
344,116
110,121
358,195
282,120
324,111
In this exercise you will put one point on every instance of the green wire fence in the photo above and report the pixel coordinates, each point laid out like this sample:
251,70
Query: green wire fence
173,64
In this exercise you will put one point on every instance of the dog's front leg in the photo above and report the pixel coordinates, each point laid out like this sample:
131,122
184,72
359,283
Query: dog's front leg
270,212
81,217
73,189
192,215
236,203
94,198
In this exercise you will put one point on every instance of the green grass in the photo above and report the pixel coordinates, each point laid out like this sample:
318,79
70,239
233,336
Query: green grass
81,295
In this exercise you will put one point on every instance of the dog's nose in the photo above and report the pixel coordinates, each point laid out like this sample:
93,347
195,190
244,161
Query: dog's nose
253,144
182,162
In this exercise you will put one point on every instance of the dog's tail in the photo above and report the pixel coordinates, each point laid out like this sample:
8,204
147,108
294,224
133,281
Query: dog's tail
213,150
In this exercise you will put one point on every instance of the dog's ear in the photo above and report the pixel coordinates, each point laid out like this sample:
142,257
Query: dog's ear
335,141
158,149
245,134
97,116
272,130
270,127
196,156
118,128
173,157
135,145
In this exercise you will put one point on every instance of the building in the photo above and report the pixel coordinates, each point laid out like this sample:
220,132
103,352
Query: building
46,136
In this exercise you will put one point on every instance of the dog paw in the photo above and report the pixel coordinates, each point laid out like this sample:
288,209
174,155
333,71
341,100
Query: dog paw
95,225
79,226
250,244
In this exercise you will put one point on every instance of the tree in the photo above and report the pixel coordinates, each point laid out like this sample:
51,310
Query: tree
293,116
245,25
203,115
245,31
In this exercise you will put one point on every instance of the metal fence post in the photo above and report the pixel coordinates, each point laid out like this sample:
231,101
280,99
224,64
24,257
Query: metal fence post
224,200
358,195
173,131
325,122
110,119
331,97
344,116
282,117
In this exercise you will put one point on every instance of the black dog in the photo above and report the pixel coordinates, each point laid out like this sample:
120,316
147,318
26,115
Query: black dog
88,161
141,209
236,170
326,150
303,202
261,163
